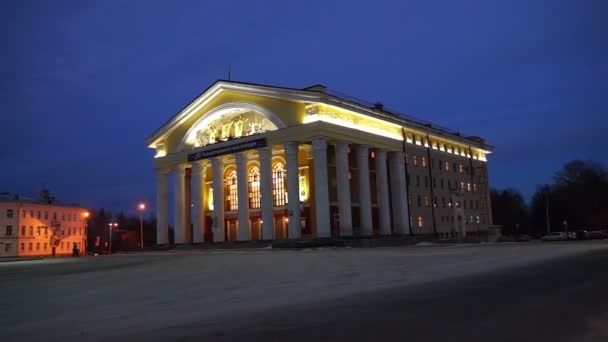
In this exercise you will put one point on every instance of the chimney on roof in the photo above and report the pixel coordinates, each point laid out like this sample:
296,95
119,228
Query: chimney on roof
379,106
318,88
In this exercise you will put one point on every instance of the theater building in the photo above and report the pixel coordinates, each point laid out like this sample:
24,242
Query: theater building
257,162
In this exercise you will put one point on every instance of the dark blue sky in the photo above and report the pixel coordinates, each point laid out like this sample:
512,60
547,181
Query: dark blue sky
84,82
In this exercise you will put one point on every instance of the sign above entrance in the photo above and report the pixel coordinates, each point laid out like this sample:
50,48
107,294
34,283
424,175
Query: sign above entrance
244,146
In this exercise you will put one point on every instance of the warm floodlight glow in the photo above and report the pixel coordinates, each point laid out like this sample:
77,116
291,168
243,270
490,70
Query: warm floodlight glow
141,206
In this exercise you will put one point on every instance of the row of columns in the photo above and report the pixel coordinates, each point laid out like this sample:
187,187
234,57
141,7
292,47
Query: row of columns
398,204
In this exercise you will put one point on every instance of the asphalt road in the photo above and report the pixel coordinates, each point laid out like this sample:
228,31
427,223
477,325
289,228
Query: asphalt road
564,299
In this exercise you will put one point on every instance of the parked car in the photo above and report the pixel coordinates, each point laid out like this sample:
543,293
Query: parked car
571,235
581,234
596,234
556,236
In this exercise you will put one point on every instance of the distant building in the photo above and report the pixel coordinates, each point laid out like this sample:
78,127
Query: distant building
40,227
251,162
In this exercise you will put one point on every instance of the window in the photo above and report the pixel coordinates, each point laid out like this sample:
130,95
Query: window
7,247
449,203
417,180
38,216
457,204
471,204
45,246
427,201
423,162
476,204
54,216
23,213
419,201
439,165
254,188
435,202
9,213
31,230
454,167
38,230
406,159
468,186
279,196
426,181
23,230
461,168
30,246
461,185
474,187
31,213
447,166
449,184
464,204
9,230
46,215
232,191
23,246
441,183
420,222
46,231
37,246
415,160
443,201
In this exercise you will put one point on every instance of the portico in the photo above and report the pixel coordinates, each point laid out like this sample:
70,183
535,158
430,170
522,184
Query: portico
251,162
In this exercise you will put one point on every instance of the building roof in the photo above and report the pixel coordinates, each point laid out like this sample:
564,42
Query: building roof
8,197
320,93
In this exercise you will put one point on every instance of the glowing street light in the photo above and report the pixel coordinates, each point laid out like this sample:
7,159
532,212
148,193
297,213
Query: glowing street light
111,224
141,207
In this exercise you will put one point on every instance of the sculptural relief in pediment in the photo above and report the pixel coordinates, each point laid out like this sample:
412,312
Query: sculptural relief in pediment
232,125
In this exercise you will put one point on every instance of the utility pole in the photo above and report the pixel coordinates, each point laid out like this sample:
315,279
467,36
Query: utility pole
547,206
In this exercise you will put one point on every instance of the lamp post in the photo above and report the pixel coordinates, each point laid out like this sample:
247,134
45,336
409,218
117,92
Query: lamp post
141,207
85,217
114,224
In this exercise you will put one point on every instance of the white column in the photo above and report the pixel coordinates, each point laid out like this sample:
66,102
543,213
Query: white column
365,198
266,193
319,146
198,200
179,205
401,220
343,185
293,190
218,199
162,207
244,227
384,211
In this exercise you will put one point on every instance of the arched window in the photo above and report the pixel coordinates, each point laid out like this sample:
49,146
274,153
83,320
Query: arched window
279,195
254,188
232,191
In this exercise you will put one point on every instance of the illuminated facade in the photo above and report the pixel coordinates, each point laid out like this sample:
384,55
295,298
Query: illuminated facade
35,228
253,162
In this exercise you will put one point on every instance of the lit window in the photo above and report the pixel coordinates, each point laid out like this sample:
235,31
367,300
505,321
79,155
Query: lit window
254,188
461,185
279,195
461,168
23,230
415,160
474,187
406,158
232,191
427,201
468,186
38,230
37,246
30,246
450,203
31,230
423,162
420,222
447,166
373,155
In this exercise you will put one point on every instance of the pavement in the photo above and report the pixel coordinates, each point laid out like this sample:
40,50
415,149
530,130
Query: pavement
513,292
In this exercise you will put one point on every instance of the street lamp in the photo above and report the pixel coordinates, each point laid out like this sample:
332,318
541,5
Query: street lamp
141,207
111,224
85,217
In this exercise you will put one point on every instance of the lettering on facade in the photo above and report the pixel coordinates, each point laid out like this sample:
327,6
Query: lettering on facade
244,146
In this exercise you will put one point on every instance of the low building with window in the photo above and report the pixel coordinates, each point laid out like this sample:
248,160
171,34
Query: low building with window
251,162
33,227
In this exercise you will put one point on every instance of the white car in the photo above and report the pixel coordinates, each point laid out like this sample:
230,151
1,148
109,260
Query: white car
557,236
